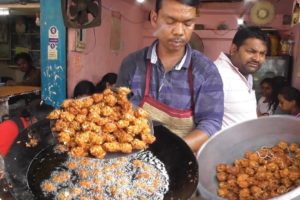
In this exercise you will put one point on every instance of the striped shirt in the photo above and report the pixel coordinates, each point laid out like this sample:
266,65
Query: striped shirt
239,97
172,87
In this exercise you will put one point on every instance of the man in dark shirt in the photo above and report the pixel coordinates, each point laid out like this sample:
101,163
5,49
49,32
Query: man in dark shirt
32,76
178,86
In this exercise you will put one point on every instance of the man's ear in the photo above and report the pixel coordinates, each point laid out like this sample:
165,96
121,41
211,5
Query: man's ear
153,18
233,49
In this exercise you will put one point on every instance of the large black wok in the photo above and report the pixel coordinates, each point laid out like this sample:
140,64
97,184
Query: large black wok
19,157
35,164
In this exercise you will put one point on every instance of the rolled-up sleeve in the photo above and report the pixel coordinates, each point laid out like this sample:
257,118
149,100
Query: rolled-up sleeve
209,98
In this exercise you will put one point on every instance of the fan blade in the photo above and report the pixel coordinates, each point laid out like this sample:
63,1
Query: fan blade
82,5
93,8
73,10
82,17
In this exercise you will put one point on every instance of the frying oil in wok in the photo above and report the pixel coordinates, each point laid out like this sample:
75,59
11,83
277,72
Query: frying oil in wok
139,176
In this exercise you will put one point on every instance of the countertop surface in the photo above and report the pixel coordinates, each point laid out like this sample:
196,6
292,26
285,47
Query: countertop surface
7,91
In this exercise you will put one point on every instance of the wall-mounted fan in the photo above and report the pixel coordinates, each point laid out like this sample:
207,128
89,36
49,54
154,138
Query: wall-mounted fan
81,13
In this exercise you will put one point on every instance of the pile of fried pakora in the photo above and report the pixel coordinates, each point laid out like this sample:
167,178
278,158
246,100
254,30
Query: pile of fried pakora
101,123
264,174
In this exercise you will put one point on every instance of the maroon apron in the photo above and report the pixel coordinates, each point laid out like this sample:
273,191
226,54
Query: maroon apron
180,122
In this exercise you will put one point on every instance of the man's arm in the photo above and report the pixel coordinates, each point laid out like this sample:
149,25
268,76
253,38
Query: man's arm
126,72
209,105
195,139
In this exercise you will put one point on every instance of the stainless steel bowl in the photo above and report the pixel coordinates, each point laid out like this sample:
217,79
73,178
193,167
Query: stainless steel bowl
231,144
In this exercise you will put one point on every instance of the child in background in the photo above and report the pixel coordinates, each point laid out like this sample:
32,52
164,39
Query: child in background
278,82
264,107
108,81
84,88
289,101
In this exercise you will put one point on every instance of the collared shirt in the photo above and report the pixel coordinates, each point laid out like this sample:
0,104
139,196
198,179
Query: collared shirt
239,97
172,87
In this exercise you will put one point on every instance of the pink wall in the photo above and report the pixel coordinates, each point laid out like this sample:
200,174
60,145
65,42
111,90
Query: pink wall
97,59
213,14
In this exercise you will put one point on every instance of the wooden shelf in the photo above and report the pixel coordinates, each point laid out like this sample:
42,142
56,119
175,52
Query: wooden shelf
30,50
25,33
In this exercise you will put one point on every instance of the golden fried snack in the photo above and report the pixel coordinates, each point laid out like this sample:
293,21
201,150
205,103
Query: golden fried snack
48,186
55,114
97,151
260,175
101,123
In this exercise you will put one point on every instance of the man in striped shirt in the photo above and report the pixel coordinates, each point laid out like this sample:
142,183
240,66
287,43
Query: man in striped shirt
178,86
247,53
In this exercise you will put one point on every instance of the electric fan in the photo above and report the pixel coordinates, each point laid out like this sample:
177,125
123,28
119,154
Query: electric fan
81,14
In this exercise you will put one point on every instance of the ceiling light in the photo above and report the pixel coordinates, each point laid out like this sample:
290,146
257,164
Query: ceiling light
140,1
240,21
4,11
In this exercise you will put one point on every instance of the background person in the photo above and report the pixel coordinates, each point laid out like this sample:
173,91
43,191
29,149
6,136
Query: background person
246,55
107,81
32,76
278,82
289,100
179,87
264,107
84,88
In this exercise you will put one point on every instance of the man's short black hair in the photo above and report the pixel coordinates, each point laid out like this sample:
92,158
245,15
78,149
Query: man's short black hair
193,3
245,33
24,56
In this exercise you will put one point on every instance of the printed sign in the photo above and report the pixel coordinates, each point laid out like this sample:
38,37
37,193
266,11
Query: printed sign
52,43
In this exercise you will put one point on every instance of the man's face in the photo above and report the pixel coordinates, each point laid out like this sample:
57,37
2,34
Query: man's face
174,24
249,56
23,65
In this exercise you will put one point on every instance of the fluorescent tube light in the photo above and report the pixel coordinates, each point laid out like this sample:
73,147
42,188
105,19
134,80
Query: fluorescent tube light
4,11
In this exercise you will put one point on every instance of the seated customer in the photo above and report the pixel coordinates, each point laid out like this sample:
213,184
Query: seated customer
32,76
10,129
289,101
108,81
83,88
